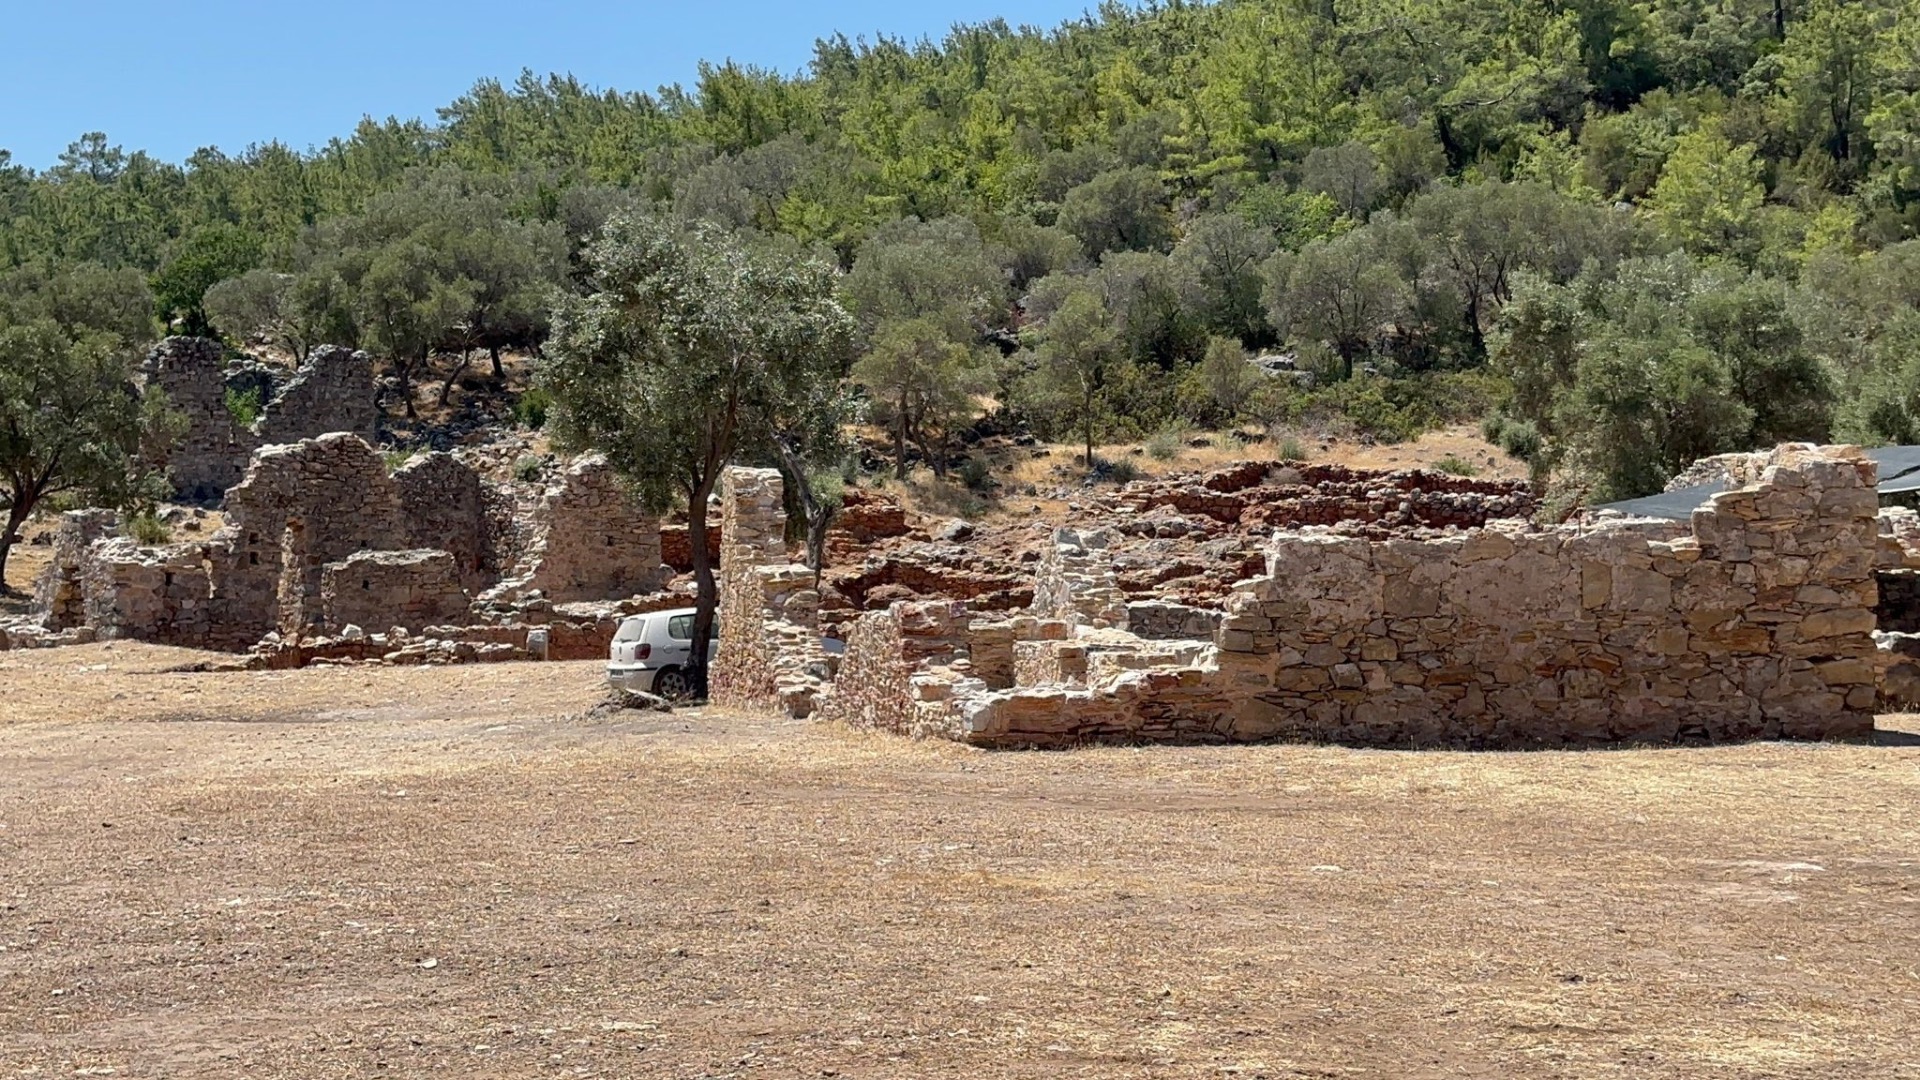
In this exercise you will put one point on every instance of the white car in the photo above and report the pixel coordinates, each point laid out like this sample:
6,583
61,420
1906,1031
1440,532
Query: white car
650,652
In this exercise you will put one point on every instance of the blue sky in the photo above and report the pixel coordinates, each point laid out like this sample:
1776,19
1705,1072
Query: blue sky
172,78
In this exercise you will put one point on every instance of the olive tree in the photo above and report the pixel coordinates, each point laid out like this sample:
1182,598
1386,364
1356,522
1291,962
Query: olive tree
692,346
71,420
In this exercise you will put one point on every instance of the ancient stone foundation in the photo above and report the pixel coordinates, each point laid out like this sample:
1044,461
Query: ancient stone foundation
1754,620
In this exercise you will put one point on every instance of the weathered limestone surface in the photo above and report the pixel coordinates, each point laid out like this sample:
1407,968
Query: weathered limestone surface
899,673
1757,623
769,652
211,454
301,506
445,506
332,391
591,540
411,589
59,594
1076,580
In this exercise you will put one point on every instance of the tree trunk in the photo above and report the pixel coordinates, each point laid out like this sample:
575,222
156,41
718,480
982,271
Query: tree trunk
403,372
818,514
16,517
499,372
706,591
900,440
459,369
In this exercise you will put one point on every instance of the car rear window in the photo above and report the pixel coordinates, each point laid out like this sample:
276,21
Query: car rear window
630,630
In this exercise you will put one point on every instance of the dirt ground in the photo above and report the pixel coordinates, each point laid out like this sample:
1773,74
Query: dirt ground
405,872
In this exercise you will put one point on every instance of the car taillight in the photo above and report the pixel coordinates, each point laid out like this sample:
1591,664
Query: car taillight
643,651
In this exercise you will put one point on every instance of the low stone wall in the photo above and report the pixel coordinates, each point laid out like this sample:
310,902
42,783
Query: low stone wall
898,672
371,589
1756,623
1075,580
1164,620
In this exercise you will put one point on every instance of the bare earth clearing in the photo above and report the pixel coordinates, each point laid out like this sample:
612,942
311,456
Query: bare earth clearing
404,871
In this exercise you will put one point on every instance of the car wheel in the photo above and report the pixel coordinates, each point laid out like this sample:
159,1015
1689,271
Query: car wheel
671,684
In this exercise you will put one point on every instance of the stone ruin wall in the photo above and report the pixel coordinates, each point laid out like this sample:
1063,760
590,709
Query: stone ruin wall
592,541
445,507
769,653
383,589
333,390
1756,622
211,454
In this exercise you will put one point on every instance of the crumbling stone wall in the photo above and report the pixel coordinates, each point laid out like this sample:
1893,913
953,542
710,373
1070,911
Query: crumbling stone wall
332,391
59,594
591,540
1076,581
769,653
445,505
1165,620
899,672
383,589
1755,624
210,456
301,506
162,595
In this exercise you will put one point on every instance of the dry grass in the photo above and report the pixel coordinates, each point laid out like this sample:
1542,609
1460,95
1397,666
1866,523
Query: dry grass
339,872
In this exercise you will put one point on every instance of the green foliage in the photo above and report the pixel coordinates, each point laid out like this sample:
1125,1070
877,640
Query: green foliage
531,407
1291,449
243,405
70,419
1454,465
1397,188
695,347
1166,444
209,255
147,529
976,473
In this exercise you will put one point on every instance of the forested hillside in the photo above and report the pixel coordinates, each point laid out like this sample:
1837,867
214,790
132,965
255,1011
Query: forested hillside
1625,234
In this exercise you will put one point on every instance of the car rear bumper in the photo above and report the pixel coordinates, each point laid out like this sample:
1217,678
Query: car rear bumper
632,678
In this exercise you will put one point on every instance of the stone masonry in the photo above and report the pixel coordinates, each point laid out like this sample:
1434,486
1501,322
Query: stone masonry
592,541
1755,623
332,391
769,653
445,506
410,589
211,455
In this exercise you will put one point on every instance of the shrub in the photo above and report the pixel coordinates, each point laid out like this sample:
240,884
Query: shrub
975,474
394,459
1516,437
146,528
530,411
1118,472
1165,444
243,405
1292,450
528,468
1454,465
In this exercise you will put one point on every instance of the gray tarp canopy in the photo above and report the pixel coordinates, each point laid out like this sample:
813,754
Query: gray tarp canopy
1899,472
